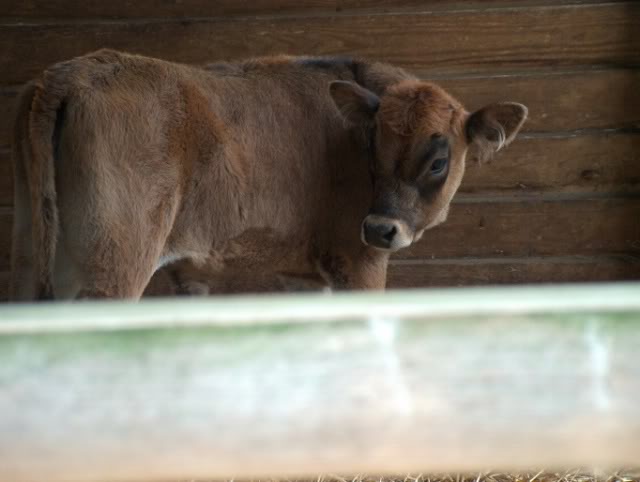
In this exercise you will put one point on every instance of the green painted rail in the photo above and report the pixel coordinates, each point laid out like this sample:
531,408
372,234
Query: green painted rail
439,380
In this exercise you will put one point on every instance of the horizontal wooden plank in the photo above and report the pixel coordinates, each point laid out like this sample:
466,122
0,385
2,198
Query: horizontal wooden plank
493,271
8,100
516,228
446,272
6,226
604,162
451,272
5,276
602,99
533,228
6,178
442,42
597,162
193,8
596,99
39,9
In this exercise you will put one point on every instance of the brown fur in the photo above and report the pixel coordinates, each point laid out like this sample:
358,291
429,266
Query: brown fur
258,169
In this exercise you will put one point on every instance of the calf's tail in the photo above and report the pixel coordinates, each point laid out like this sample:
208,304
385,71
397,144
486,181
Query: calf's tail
44,105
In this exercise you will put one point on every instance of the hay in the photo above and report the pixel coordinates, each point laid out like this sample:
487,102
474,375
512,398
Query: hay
540,476
577,475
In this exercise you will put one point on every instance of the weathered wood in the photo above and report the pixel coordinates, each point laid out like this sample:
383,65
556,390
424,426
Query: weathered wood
495,228
8,99
6,178
36,9
397,383
449,272
559,101
535,228
6,226
192,8
5,276
442,42
597,162
508,270
604,99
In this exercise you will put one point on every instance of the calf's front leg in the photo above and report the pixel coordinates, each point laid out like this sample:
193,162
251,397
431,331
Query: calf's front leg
365,272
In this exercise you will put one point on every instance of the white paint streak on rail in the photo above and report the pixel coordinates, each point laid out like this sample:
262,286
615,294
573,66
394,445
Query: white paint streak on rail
600,364
384,331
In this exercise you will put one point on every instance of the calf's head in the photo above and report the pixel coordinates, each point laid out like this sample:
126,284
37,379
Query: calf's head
419,137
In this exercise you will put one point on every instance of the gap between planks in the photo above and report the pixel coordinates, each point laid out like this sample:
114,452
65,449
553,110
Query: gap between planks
588,69
570,134
478,260
535,197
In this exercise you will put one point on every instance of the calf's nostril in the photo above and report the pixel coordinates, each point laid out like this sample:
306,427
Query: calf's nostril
390,233
381,235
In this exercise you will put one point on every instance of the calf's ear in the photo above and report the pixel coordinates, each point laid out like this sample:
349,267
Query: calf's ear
493,127
356,104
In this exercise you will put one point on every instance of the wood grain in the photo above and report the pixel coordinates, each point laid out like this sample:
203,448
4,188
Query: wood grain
605,99
6,178
8,99
38,9
5,276
512,270
197,8
492,228
446,272
533,228
6,225
559,101
584,163
452,272
442,42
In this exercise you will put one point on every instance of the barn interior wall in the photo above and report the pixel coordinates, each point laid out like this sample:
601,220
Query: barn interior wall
561,204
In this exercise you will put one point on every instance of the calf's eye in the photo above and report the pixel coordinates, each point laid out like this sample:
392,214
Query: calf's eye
438,165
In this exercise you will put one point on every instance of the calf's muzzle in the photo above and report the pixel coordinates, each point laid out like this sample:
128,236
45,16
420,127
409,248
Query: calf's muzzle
385,233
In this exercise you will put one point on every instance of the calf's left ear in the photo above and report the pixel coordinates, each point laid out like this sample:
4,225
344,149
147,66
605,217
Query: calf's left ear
494,126
356,104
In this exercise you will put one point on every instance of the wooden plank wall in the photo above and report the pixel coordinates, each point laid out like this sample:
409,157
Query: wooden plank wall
561,204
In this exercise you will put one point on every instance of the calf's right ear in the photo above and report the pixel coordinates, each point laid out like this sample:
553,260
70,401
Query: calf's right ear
356,104
494,126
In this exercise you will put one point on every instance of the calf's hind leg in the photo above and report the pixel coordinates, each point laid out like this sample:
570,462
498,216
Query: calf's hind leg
111,269
116,251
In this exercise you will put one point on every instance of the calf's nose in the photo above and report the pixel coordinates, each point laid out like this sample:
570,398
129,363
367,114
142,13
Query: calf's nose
379,234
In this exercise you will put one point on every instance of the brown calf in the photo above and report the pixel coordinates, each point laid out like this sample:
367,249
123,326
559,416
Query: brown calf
300,167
